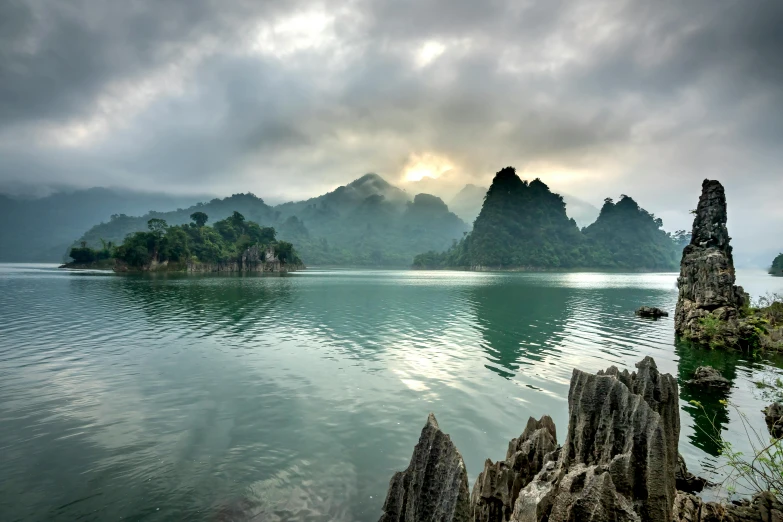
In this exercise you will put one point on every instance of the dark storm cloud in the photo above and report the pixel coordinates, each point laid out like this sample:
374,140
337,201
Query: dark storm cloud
287,99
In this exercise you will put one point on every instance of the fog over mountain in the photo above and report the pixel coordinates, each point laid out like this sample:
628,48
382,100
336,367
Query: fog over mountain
290,100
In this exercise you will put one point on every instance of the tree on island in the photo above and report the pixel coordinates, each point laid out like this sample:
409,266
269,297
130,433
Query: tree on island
777,266
199,219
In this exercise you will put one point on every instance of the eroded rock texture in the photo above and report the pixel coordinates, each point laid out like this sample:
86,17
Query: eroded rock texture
709,376
434,488
707,293
773,415
497,487
619,458
763,508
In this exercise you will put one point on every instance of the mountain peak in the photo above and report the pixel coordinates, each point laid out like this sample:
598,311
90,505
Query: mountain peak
370,178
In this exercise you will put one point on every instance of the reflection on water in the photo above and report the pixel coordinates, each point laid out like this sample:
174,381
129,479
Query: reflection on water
295,398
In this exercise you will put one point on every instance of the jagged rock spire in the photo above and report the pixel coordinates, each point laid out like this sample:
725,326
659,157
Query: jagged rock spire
706,282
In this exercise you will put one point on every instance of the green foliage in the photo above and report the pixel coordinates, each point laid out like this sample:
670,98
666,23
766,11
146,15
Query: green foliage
226,241
199,219
711,325
525,225
626,236
367,222
777,266
748,474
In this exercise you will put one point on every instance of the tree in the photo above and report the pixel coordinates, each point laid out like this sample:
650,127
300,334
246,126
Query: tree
157,226
199,219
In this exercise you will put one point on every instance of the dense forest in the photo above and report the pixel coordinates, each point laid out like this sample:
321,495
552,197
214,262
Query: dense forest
524,225
777,266
226,242
367,222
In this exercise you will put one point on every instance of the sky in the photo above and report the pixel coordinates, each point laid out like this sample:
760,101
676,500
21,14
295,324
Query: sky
290,99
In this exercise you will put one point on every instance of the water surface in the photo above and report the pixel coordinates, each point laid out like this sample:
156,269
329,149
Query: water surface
297,397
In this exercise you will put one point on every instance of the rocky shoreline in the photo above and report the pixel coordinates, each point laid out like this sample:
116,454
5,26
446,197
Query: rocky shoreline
252,260
619,462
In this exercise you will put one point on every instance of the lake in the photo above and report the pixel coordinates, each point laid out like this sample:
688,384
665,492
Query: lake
296,398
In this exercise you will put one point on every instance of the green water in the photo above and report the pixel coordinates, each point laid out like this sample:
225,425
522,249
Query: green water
295,398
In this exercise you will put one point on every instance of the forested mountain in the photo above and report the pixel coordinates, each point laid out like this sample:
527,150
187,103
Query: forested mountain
777,266
468,201
525,225
367,222
627,236
42,229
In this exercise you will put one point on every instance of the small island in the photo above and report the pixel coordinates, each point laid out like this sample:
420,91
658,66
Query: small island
777,266
524,226
230,245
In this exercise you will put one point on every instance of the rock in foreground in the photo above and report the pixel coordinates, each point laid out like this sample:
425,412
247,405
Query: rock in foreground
651,311
435,485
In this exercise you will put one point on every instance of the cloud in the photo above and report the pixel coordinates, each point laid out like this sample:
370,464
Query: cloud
288,99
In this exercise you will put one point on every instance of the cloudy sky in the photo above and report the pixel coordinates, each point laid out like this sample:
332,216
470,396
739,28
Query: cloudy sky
290,99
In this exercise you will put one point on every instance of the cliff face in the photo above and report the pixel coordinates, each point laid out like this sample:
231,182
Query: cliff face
707,293
619,463
254,259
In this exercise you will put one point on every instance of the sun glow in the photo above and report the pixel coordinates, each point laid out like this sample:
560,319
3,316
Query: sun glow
420,166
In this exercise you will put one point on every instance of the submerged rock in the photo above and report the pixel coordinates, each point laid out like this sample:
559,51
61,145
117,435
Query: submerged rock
497,487
773,415
709,376
434,487
709,303
651,311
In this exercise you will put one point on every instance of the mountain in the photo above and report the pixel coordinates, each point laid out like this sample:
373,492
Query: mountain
41,229
468,201
521,224
366,222
627,236
525,225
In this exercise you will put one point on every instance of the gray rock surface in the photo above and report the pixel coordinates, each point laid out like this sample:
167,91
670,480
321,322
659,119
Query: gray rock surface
686,481
773,415
763,508
619,458
497,487
706,282
709,376
434,487
651,311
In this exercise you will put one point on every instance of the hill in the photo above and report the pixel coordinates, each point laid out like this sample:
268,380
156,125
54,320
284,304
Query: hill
627,236
42,229
525,225
368,222
776,269
468,201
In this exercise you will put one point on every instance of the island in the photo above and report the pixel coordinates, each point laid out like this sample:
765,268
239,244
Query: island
233,244
776,269
524,226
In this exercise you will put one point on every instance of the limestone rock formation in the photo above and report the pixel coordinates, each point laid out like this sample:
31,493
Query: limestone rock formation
773,415
497,487
709,376
685,480
434,488
707,293
651,311
763,508
619,458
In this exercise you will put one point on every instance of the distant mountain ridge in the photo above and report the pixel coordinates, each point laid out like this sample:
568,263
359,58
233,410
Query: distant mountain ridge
42,229
368,222
524,225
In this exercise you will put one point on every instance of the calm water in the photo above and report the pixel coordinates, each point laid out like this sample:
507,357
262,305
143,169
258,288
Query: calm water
295,398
